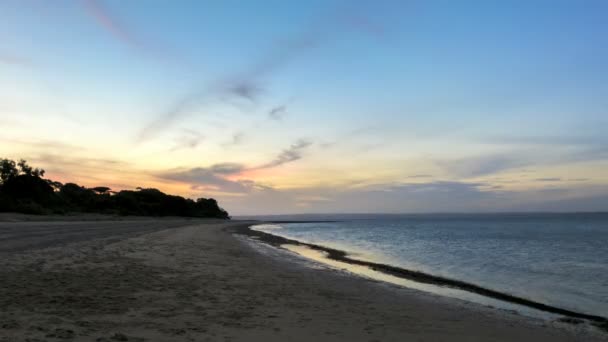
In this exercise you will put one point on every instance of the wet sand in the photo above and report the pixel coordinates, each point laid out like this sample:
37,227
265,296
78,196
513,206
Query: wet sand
163,280
346,261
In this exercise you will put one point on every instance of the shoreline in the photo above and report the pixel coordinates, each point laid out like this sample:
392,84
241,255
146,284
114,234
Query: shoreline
421,277
159,280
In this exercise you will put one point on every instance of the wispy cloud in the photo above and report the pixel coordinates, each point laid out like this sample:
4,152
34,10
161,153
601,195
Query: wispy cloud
220,177
277,113
293,153
482,165
86,168
236,139
79,161
585,143
227,168
434,197
215,178
116,27
548,179
10,59
381,198
110,23
246,83
590,137
44,145
246,90
420,176
189,139
227,186
368,132
211,178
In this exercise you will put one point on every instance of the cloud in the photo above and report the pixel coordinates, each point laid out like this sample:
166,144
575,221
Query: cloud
223,89
190,139
10,59
420,176
103,17
584,203
44,145
237,139
293,153
232,187
548,179
159,125
495,163
245,84
589,153
440,196
203,178
119,30
63,161
374,132
441,187
246,90
431,197
590,138
213,178
77,166
587,143
482,165
277,113
227,168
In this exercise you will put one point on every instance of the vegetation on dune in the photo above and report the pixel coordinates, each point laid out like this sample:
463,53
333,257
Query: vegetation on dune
23,189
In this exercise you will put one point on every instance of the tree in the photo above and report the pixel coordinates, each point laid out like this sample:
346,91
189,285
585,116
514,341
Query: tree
101,190
8,169
76,195
55,185
22,189
28,170
28,187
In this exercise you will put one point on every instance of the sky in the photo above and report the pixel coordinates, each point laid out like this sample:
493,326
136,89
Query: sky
317,106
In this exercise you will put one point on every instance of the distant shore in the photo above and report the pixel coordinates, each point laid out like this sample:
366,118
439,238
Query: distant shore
185,280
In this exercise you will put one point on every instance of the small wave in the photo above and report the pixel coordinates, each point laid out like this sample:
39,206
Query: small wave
263,227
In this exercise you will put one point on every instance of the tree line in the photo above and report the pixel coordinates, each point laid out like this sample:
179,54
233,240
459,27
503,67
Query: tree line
24,189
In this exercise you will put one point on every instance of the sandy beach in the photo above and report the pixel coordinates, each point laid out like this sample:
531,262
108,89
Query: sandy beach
194,280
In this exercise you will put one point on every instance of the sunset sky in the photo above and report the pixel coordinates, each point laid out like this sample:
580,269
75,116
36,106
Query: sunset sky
314,106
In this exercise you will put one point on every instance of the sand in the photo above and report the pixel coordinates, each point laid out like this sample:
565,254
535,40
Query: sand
175,280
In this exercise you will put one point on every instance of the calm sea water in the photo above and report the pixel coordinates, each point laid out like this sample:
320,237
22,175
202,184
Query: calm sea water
558,259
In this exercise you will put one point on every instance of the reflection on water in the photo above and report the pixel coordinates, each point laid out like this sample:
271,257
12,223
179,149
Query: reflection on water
556,259
367,272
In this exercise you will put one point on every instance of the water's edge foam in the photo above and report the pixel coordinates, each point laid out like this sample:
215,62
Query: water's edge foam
419,277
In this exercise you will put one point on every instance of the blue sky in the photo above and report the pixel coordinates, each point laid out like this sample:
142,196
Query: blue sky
316,102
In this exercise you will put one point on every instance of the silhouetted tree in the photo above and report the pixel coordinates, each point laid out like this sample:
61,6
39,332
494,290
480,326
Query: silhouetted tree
102,190
28,170
55,185
8,169
22,189
27,186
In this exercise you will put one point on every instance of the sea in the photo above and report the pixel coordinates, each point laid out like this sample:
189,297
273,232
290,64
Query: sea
555,259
